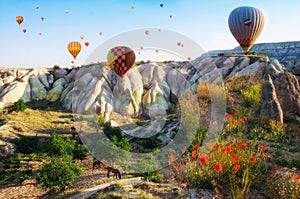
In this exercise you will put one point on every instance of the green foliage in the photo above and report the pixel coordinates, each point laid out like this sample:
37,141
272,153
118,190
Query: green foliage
123,143
80,152
59,146
252,95
28,145
110,131
18,106
101,120
290,163
147,167
58,173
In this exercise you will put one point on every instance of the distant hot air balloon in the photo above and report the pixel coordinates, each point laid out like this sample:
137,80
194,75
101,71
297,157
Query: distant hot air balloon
24,30
156,51
86,44
72,62
132,7
147,32
66,11
189,58
19,19
100,33
42,18
81,37
40,33
37,6
246,23
74,48
161,5
178,43
142,47
139,52
121,59
171,16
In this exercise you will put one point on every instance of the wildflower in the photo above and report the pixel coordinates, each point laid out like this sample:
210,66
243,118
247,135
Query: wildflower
262,147
243,145
242,120
196,146
203,159
235,159
171,159
235,113
178,166
237,167
229,117
218,168
296,177
266,154
194,153
245,118
216,146
207,146
252,159
234,122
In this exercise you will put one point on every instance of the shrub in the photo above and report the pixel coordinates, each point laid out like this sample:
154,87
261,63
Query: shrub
252,95
59,146
58,173
289,189
18,106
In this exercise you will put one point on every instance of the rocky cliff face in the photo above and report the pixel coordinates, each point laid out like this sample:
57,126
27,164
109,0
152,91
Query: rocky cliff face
147,88
284,52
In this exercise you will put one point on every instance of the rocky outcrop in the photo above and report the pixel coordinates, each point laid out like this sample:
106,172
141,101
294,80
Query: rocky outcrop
270,108
148,88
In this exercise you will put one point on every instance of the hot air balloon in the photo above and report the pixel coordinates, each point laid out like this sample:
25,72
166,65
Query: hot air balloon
246,23
81,37
24,30
156,51
161,5
40,33
147,32
74,48
100,33
72,62
121,59
178,43
171,16
66,11
86,44
42,18
142,47
132,7
19,19
37,6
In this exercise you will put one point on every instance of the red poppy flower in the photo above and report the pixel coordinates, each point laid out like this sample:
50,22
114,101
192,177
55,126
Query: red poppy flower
237,167
194,153
236,158
243,145
252,159
266,154
178,166
196,146
228,117
171,159
207,146
218,168
203,159
262,147
234,122
216,146
245,118
235,113
296,177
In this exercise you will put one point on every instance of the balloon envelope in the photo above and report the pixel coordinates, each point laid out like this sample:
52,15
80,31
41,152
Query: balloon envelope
19,19
24,30
246,23
121,59
86,44
74,48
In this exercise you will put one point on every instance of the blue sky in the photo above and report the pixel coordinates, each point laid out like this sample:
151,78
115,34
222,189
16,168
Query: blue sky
205,22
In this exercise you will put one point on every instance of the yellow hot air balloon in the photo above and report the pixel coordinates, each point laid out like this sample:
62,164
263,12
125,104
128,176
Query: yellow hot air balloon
74,48
246,23
66,11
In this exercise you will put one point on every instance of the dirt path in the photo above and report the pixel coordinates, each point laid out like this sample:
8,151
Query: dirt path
88,192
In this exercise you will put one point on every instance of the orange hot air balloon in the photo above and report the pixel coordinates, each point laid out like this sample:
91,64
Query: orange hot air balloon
42,18
24,30
81,37
246,23
74,48
86,44
121,59
19,19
